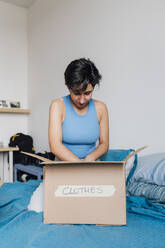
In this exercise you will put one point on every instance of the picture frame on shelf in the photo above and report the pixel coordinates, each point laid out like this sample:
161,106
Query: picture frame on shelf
15,104
4,104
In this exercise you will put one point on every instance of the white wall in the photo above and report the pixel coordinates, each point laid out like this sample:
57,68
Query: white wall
125,38
13,67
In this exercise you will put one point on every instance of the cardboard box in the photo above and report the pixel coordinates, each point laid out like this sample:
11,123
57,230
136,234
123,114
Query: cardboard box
85,192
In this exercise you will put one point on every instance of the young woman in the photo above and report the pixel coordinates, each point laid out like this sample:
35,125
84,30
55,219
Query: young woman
77,121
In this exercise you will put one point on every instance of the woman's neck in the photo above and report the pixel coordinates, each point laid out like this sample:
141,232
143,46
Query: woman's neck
79,111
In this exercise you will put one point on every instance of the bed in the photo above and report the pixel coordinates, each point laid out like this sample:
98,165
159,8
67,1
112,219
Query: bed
145,227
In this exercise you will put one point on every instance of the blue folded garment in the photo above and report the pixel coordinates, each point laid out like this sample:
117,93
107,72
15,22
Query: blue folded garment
153,192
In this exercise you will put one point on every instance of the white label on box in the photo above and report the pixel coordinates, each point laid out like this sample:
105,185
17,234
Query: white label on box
85,191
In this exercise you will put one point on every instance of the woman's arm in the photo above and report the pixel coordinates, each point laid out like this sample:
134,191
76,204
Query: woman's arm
56,116
103,146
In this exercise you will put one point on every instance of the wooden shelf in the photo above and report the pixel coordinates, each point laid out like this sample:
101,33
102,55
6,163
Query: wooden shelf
14,111
8,149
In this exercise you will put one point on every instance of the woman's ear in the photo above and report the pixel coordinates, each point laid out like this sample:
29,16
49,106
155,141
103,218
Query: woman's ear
69,88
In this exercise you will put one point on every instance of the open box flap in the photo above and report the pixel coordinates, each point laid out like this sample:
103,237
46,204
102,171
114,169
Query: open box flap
134,153
37,156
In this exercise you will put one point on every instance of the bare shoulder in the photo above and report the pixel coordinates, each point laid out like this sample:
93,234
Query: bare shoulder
101,109
100,106
57,103
57,109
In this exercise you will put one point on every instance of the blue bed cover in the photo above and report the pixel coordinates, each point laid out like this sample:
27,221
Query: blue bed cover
21,228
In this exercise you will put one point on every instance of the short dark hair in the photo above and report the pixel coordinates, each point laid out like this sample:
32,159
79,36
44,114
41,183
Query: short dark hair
81,71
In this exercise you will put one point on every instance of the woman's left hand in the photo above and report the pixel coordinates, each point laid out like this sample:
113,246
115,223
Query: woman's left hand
89,158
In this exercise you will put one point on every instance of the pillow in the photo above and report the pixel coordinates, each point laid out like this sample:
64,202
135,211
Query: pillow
151,169
119,155
151,191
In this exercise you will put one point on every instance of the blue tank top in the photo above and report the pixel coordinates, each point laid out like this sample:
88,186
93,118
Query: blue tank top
80,132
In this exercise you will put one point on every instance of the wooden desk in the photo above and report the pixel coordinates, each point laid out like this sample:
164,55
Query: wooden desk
4,151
